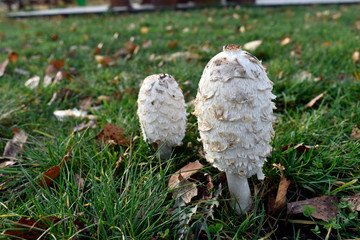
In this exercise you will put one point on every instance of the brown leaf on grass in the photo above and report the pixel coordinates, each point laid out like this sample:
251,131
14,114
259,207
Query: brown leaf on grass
285,40
172,44
112,134
354,201
85,104
3,66
105,60
183,187
13,57
355,57
355,133
82,126
98,48
146,44
280,201
54,72
314,100
49,176
325,207
131,47
30,228
144,30
184,173
299,147
54,37
14,147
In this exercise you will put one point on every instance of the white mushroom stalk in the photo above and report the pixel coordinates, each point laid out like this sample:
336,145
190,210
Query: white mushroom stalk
235,117
162,113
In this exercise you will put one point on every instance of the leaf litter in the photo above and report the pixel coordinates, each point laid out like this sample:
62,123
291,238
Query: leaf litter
13,148
112,134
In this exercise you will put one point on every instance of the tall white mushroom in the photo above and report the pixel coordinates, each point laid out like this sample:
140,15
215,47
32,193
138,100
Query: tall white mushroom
235,117
162,113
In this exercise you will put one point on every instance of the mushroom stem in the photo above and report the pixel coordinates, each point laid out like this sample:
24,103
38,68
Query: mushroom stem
164,152
240,191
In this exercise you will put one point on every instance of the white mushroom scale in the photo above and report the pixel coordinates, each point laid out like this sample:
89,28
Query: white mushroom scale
235,117
162,113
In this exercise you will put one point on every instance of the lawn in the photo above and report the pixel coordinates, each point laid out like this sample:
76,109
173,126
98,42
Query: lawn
118,189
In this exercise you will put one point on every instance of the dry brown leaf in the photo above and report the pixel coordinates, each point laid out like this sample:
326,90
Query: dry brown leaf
131,47
172,44
113,134
3,66
285,40
83,126
14,147
315,99
185,172
355,57
105,60
325,207
85,104
98,48
355,133
184,188
146,44
144,30
280,200
30,228
13,57
354,201
49,176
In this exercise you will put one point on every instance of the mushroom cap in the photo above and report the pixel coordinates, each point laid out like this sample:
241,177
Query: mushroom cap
235,112
162,110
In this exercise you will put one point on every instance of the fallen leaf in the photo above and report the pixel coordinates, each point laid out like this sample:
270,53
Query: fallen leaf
315,99
49,176
105,60
144,30
13,57
33,82
285,40
3,67
146,44
98,48
304,76
57,64
184,173
131,47
253,45
112,134
30,228
355,133
325,207
172,44
280,200
299,147
354,201
62,114
186,190
54,37
15,145
85,104
355,57
83,125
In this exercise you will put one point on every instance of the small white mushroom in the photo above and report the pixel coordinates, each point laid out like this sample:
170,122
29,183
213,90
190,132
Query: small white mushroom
162,113
235,117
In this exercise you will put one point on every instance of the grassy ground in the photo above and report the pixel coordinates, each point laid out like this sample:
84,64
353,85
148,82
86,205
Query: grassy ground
125,191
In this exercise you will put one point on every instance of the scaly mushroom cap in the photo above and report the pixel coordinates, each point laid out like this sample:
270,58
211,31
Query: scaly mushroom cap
162,110
235,112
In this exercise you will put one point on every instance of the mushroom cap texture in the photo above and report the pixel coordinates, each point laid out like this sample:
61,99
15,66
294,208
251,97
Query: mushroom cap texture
162,110
235,112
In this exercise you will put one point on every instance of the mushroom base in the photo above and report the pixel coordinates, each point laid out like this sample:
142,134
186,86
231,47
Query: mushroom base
240,192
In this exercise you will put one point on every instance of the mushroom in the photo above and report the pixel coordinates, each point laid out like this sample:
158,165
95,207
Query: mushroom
235,117
162,113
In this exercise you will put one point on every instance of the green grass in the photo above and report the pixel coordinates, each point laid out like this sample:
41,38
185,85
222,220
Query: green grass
129,199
